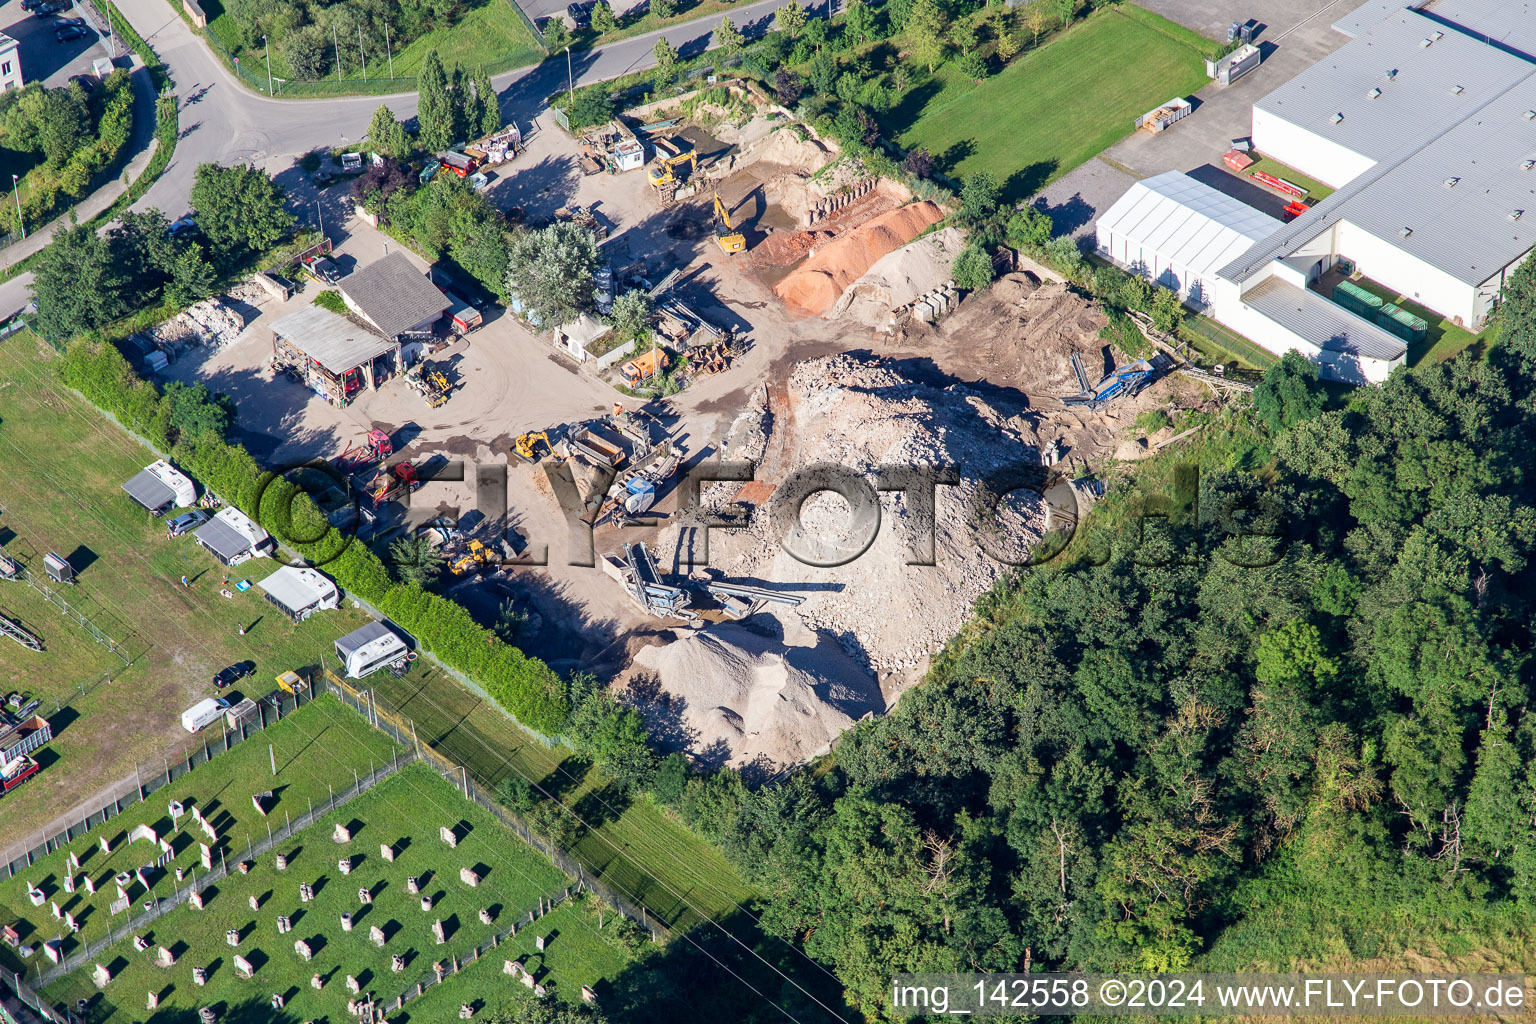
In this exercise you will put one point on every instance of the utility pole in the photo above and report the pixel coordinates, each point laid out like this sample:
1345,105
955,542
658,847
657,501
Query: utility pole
337,47
16,187
271,755
361,52
268,47
389,51
320,216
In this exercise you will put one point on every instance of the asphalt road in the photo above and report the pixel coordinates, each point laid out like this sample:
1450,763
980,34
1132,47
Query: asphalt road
224,122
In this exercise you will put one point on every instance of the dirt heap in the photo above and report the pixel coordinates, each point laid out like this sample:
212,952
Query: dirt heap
783,146
1023,333
862,412
820,281
767,692
899,277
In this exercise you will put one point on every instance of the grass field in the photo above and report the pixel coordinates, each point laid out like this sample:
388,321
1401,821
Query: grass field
631,844
63,465
1055,107
488,33
405,812
317,747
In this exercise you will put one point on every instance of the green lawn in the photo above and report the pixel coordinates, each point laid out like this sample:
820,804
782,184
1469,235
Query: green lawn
405,812
1316,190
1055,107
63,465
317,747
489,33
633,845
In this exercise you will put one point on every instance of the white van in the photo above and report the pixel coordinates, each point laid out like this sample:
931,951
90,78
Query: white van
203,714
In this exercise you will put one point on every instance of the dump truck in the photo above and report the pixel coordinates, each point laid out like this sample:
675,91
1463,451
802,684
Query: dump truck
643,367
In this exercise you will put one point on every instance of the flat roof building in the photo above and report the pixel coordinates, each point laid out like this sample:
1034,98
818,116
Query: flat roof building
10,63
336,356
1425,123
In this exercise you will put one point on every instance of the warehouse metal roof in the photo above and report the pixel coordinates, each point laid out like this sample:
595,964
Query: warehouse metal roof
1187,222
1384,90
336,343
1508,24
1323,322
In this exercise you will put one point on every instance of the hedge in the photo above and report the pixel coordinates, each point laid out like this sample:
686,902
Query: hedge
525,687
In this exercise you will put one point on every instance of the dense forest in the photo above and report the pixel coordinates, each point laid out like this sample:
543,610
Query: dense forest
1269,711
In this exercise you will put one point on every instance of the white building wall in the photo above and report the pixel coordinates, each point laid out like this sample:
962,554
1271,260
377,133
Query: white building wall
1273,337
1312,155
10,64
1385,263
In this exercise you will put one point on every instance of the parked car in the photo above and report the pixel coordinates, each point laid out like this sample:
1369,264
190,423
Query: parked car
52,7
181,227
479,182
186,522
233,674
78,23
86,82
580,13
70,32
28,5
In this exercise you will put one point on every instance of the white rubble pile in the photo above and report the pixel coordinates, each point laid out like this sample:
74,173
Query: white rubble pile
209,322
861,413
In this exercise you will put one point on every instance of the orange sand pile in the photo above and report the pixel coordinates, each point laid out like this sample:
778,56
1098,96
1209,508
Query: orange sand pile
820,282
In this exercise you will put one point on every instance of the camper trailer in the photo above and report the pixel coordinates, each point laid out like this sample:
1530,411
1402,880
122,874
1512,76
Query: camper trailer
369,649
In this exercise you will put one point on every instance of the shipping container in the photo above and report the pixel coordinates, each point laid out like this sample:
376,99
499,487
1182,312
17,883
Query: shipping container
1357,300
1402,323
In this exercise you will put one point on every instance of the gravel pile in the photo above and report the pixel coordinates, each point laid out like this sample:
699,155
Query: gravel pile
209,322
860,412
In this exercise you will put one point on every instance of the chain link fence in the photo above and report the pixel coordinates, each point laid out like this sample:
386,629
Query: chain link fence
113,800
403,731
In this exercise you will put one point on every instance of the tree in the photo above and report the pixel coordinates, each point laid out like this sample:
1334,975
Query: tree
603,20
790,18
979,197
372,189
1066,10
75,283
591,106
787,87
615,737
1028,227
387,134
859,20
663,9
482,251
517,794
918,162
1007,46
551,270
556,36
631,314
972,268
666,62
973,65
415,560
1516,315
1289,393
1035,19
194,410
926,26
434,108
490,104
727,36
192,276
1167,310
307,51
240,209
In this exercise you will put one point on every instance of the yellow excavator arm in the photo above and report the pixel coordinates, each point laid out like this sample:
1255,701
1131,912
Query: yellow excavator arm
729,239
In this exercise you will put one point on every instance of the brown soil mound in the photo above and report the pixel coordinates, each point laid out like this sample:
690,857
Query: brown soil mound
1026,332
821,280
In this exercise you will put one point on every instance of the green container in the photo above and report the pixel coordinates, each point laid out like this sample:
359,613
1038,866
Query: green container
1357,300
1402,323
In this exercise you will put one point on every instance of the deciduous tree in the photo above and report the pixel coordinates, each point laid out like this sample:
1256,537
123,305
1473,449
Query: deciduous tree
240,209
551,270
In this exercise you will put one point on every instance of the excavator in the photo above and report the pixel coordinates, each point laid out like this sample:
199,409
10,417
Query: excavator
731,240
662,174
523,445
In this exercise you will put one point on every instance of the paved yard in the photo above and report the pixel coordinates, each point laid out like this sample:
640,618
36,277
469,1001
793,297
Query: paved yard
45,59
1294,34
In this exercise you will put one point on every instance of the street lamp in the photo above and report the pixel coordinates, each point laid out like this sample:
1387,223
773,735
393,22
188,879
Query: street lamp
268,47
16,187
570,83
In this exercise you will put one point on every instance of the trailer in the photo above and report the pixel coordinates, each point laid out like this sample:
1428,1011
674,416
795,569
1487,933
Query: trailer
1234,65
14,773
24,737
1163,117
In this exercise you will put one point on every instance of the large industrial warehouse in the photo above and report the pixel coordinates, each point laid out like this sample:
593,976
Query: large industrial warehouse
1425,122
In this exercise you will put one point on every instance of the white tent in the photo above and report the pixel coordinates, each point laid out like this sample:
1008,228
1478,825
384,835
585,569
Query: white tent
1179,232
